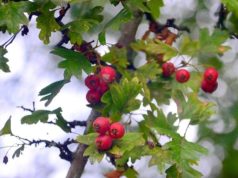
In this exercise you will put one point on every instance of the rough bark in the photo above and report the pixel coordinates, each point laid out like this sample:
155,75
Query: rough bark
128,33
79,161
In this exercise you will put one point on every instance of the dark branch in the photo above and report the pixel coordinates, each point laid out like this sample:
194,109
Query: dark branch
28,109
157,27
65,153
222,14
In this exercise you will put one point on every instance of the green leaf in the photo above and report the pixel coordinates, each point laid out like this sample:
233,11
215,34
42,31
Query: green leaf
232,5
155,47
39,116
47,24
115,2
211,43
184,150
134,154
161,91
18,152
94,13
195,109
78,27
117,57
154,6
88,139
94,154
207,44
3,60
175,172
61,122
102,38
122,17
155,122
127,143
137,4
150,70
184,154
50,91
74,62
121,98
12,15
159,158
188,46
131,173
7,128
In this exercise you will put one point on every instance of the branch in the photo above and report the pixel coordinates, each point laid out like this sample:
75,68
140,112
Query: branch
128,33
79,161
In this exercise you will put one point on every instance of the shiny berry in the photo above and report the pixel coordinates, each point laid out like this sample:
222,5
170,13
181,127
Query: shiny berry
103,142
117,130
209,87
168,69
107,74
182,75
92,81
93,97
103,87
101,125
210,75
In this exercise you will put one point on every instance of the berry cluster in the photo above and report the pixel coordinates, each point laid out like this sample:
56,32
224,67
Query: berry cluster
182,75
107,132
209,82
98,84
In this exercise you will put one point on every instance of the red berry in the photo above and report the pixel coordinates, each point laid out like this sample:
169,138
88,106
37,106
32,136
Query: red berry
209,87
103,87
101,125
107,74
182,75
103,142
93,97
92,81
168,69
210,75
117,130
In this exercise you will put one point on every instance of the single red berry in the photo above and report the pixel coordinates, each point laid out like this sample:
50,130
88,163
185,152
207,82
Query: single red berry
92,81
182,75
103,87
101,125
117,130
168,69
103,142
107,74
209,87
210,75
93,97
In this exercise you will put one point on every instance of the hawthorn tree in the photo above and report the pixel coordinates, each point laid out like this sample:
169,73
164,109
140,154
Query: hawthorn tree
181,65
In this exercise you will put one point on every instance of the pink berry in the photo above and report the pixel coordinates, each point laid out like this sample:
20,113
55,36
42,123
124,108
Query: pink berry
168,69
101,125
93,97
92,81
182,75
107,74
210,75
209,87
103,142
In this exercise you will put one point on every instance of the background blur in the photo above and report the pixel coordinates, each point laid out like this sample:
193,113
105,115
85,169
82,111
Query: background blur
33,67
